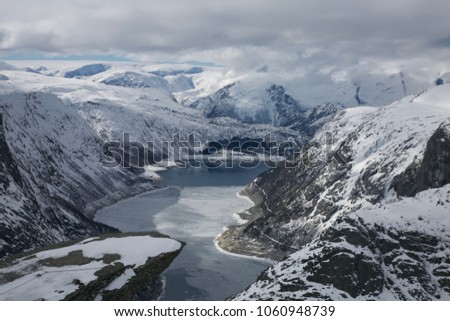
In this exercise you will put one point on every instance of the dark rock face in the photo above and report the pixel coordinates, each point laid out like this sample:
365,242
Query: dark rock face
318,116
436,160
358,259
354,273
9,166
221,104
406,254
439,82
433,171
287,111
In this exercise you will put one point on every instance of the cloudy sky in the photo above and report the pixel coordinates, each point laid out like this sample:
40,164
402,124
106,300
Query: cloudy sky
247,34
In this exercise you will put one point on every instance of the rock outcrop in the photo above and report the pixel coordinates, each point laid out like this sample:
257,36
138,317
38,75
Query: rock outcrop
433,171
121,267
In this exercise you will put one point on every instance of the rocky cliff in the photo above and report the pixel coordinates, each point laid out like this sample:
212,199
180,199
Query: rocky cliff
339,221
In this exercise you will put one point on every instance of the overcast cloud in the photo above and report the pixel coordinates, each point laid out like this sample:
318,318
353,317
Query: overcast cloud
247,34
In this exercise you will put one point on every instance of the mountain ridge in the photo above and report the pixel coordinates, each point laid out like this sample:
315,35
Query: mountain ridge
315,210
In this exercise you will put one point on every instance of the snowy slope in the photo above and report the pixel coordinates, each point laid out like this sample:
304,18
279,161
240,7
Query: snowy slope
6,66
94,268
111,109
391,251
48,181
189,83
53,130
248,97
377,157
266,105
86,70
370,88
171,78
377,143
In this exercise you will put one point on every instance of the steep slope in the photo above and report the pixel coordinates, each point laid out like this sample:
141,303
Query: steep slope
335,186
46,182
49,181
270,105
393,251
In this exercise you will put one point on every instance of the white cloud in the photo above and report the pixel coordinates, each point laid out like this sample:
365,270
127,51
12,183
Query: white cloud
284,34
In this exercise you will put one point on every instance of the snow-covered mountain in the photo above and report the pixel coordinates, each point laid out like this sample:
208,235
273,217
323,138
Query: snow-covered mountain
269,99
253,97
359,213
171,78
271,105
364,216
5,66
51,138
394,251
372,88
83,71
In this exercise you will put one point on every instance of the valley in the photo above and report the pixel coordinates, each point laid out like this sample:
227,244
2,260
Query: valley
357,211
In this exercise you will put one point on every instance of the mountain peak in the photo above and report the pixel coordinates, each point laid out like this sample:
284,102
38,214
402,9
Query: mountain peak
5,66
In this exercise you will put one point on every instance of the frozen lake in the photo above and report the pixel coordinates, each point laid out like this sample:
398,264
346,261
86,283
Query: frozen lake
195,207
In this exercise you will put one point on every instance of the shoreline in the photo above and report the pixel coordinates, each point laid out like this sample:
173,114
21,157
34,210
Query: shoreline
154,183
225,241
241,222
132,196
242,218
236,214
244,256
